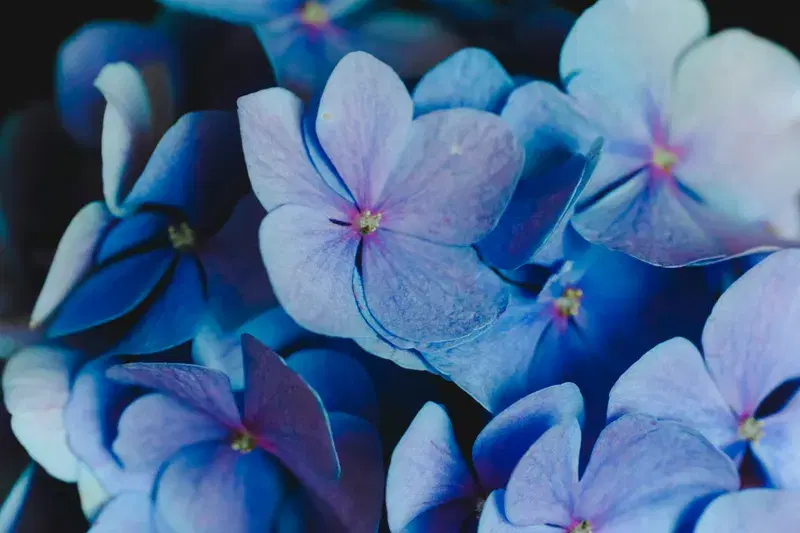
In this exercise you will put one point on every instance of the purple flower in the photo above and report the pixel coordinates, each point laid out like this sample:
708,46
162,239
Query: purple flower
751,510
431,487
748,346
700,161
370,230
225,461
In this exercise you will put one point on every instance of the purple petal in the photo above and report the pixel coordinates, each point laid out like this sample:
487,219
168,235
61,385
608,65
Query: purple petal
506,438
427,470
752,330
428,292
310,260
541,488
340,381
12,506
285,415
238,287
72,260
454,179
471,77
642,467
210,488
196,387
36,385
749,511
279,166
363,131
131,512
493,519
777,448
156,427
671,381
354,502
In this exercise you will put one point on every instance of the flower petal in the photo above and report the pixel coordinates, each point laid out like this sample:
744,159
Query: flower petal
131,512
72,260
636,41
341,382
471,77
427,470
13,504
752,330
36,384
310,260
279,166
285,415
506,438
155,427
750,510
196,387
364,116
236,11
427,292
541,488
671,382
493,518
776,450
640,465
455,177
140,232
210,488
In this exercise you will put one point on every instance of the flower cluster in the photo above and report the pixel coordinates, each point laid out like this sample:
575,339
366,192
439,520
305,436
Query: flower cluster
335,268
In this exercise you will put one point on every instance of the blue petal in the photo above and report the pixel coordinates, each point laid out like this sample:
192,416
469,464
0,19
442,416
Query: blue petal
131,512
12,506
237,11
749,511
137,232
469,78
110,292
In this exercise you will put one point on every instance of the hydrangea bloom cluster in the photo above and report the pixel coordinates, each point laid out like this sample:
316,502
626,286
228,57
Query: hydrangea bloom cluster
336,267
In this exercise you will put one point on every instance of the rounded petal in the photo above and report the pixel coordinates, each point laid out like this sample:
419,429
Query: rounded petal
776,450
363,131
84,54
210,488
471,78
637,41
750,510
455,177
493,519
671,381
131,512
748,339
506,438
426,292
427,470
36,385
72,260
340,381
310,262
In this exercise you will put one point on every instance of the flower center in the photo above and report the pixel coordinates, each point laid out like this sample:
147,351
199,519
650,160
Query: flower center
751,429
243,442
581,527
367,222
314,14
182,237
569,303
664,159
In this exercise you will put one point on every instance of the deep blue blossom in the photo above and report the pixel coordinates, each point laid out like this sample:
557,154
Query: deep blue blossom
370,228
749,346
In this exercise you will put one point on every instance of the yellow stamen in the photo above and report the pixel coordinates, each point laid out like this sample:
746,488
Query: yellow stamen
569,303
751,429
243,443
664,159
367,222
314,14
182,237
582,527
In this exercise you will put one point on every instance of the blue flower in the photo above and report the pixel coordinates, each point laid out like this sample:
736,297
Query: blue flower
750,510
370,228
748,342
556,169
226,468
700,162
431,487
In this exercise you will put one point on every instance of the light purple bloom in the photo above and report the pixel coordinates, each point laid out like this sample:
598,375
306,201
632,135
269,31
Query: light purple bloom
751,511
750,344
380,239
700,161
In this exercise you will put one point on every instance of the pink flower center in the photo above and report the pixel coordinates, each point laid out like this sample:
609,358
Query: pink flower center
366,222
751,429
664,159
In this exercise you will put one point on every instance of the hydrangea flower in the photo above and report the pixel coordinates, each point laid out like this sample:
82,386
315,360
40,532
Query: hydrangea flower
306,38
179,232
532,227
700,162
749,343
431,487
222,467
379,240
750,510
